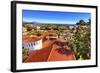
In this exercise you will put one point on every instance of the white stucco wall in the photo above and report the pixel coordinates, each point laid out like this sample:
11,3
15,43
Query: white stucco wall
33,45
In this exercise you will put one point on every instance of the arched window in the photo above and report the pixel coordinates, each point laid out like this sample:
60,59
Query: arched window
31,44
28,44
34,43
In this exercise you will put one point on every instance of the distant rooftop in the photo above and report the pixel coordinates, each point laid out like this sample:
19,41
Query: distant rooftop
30,38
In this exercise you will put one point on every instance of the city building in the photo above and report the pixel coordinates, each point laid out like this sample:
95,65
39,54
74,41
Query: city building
32,42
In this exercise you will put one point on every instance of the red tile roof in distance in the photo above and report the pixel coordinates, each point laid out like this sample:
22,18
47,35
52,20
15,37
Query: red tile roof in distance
30,38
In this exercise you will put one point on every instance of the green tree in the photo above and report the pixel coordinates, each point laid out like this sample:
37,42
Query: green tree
81,22
80,42
89,22
29,28
38,33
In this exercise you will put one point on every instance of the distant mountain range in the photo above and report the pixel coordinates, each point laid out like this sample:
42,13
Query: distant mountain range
47,23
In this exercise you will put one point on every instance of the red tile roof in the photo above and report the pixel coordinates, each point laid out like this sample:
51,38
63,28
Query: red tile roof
29,38
39,55
51,52
61,54
48,33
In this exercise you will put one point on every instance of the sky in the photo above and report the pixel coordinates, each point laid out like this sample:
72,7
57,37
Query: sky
54,17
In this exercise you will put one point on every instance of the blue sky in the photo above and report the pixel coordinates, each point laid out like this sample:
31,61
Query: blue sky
54,17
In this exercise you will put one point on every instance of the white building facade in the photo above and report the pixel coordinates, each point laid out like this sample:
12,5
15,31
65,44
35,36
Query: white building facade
35,45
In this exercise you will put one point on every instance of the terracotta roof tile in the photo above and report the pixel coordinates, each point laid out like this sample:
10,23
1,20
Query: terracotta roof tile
29,38
51,52
39,55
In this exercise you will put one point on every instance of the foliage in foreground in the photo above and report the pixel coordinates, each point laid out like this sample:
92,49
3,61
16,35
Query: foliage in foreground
81,41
